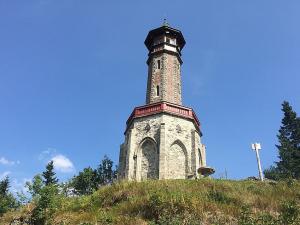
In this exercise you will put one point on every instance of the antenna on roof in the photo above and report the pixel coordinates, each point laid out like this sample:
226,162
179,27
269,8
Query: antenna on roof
165,23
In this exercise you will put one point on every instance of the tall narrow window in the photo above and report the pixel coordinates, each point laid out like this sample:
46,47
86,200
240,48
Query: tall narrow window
200,157
157,90
158,64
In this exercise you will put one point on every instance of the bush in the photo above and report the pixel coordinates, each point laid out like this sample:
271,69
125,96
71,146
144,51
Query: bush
186,219
46,205
161,206
290,213
248,218
220,196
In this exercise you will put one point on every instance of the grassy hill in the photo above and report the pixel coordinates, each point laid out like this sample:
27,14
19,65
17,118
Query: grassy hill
203,201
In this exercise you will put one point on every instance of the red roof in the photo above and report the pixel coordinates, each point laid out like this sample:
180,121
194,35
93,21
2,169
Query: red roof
163,107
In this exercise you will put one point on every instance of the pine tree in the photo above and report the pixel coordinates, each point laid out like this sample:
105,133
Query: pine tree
288,147
296,138
49,174
48,196
288,144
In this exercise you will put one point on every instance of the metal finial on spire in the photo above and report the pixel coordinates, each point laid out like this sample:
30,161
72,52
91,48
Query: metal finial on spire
165,23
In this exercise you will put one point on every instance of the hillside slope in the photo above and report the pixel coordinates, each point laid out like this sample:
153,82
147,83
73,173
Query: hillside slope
204,201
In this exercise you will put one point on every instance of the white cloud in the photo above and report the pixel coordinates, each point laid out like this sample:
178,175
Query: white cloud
5,161
62,164
19,186
4,174
50,152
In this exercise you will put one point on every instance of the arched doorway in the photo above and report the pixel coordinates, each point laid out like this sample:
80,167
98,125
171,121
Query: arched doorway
148,160
177,161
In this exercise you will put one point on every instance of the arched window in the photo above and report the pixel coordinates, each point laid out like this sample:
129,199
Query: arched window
157,90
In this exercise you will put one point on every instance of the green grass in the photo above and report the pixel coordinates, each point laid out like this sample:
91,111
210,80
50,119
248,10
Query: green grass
204,201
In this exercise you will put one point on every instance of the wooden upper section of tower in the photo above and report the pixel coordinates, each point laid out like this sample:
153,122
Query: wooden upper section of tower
165,38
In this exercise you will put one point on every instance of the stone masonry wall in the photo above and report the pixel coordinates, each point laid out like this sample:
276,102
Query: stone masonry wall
175,141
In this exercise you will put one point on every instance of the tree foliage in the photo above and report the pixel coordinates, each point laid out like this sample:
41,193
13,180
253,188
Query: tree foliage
4,185
46,205
49,175
7,200
35,186
47,195
88,180
85,182
273,173
288,165
105,172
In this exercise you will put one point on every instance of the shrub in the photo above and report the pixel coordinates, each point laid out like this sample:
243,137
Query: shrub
220,196
46,205
290,213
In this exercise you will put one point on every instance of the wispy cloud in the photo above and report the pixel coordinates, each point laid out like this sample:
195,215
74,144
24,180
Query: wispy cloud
19,185
62,163
4,174
46,154
5,161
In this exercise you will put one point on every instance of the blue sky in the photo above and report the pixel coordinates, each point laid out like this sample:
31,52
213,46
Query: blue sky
72,71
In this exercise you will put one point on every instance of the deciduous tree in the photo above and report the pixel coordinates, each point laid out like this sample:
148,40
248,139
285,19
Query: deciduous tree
105,172
35,186
85,182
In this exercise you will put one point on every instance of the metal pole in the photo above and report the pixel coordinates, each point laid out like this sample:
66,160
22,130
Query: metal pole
259,166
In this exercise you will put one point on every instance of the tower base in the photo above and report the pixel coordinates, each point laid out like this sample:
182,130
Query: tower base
162,141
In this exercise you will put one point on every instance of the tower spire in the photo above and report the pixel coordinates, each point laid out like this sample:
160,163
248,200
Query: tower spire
165,23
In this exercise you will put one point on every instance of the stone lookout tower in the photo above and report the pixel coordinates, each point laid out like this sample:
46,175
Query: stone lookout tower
162,137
